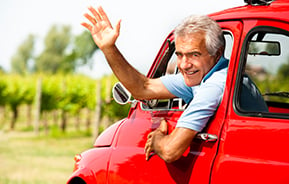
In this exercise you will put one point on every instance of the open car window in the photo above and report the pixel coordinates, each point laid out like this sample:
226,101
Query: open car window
168,66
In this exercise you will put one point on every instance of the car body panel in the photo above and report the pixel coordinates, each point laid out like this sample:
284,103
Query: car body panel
93,166
106,138
253,149
256,12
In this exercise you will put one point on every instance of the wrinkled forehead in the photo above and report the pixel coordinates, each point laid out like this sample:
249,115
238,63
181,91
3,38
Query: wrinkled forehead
192,43
191,35
192,39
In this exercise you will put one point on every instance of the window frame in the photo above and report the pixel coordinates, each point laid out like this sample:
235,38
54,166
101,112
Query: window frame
241,67
168,52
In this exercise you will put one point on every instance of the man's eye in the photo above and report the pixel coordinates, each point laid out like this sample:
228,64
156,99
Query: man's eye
193,54
178,54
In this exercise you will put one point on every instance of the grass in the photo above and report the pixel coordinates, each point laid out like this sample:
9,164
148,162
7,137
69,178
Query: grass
29,159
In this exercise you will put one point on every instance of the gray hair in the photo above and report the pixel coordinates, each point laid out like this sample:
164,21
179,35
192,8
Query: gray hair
202,23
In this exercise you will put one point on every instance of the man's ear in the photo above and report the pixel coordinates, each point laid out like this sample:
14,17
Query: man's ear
219,53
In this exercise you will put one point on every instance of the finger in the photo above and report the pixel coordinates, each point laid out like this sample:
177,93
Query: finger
148,145
117,26
86,25
164,127
146,150
103,15
147,156
148,153
94,13
150,135
90,18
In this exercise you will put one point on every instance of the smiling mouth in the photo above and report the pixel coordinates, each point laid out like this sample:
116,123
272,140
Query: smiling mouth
192,72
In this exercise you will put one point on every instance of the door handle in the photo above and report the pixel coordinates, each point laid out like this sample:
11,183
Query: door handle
207,137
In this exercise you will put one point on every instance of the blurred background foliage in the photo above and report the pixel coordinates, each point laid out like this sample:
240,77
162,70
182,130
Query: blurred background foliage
49,79
48,111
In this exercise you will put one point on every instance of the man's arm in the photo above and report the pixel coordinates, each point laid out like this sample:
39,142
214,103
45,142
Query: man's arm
105,36
139,85
169,147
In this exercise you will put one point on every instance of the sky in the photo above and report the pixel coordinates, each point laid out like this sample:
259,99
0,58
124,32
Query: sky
144,26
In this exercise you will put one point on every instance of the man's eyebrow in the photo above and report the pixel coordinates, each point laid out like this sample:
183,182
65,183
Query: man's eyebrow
178,53
188,53
194,52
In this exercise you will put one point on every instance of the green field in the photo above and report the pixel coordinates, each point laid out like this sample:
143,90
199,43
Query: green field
29,159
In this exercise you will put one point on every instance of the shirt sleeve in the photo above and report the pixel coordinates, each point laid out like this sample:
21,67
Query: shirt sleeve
205,102
176,85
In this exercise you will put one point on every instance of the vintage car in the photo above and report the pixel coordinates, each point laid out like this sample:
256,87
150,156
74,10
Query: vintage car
240,144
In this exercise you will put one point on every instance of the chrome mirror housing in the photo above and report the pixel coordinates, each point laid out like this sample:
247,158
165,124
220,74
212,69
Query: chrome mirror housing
120,94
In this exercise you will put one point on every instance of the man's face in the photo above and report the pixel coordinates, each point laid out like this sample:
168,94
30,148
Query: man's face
193,59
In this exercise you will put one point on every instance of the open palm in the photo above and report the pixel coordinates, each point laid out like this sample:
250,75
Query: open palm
104,35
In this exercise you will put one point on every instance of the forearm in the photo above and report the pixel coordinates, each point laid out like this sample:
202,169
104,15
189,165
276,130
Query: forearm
160,147
171,147
105,36
127,75
163,148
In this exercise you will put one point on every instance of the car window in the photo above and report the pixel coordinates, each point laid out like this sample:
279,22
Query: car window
228,44
168,66
266,69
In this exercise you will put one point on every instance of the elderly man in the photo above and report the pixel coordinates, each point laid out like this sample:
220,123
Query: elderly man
199,46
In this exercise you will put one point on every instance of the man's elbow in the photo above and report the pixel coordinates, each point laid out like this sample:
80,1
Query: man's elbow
138,96
170,155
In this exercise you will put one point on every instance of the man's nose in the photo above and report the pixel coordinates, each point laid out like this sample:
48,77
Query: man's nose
185,63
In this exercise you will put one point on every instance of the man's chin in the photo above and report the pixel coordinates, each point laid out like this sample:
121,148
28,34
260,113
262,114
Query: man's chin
191,81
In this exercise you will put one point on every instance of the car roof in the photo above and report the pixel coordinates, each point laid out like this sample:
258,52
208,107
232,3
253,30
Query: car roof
278,9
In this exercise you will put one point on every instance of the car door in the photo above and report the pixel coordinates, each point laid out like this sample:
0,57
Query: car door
204,152
254,143
128,164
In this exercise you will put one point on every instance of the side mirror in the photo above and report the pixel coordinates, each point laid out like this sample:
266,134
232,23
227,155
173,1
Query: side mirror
120,94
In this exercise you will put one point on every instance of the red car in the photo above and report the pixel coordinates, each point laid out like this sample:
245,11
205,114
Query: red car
240,144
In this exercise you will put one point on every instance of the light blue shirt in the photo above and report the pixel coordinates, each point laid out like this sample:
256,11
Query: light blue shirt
203,99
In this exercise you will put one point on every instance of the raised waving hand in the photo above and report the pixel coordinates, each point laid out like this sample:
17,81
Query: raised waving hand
104,35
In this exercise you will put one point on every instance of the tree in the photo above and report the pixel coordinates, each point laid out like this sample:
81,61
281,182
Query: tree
20,60
52,59
84,48
64,52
